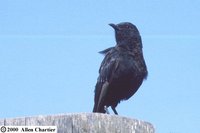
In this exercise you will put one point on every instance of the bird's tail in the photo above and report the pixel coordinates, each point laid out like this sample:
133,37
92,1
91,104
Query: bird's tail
98,110
99,104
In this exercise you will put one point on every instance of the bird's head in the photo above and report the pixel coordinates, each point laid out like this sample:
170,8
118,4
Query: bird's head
125,32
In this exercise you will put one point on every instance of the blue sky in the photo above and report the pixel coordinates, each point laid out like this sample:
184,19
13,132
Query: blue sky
49,58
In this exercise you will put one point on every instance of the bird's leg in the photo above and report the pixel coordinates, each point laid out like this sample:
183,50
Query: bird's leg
114,110
106,109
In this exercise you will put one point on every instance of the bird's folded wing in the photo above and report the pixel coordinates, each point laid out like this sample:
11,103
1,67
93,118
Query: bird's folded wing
106,74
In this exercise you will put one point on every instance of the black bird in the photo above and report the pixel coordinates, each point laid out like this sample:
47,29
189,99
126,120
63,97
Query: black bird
123,69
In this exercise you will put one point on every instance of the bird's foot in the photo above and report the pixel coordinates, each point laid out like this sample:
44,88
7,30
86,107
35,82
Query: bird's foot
106,109
114,110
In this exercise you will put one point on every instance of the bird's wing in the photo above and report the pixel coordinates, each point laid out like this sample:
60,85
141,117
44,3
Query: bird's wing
106,73
105,51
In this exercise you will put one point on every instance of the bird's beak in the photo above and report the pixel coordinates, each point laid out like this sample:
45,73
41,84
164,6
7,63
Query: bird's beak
114,26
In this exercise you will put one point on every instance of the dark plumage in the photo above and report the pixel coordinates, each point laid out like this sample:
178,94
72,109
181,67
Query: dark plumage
123,69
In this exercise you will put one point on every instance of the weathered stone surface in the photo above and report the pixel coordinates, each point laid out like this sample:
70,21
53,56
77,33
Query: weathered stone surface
85,123
62,121
1,122
14,122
